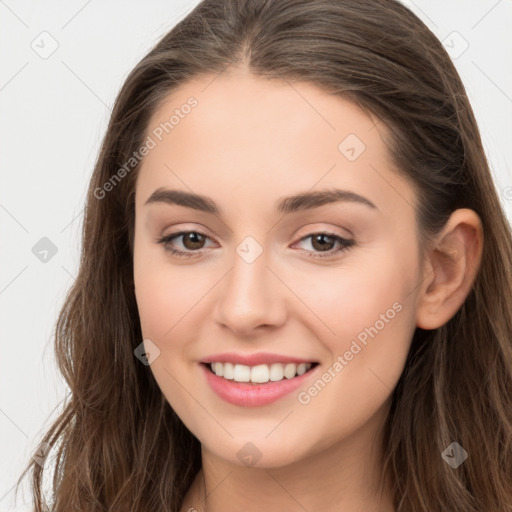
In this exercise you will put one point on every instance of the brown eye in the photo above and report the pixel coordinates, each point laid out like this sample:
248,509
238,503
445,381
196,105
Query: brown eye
319,242
325,243
193,240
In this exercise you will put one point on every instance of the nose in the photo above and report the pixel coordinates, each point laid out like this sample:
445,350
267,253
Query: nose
251,297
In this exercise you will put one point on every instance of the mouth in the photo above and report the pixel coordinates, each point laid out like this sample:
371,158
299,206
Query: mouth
259,385
259,374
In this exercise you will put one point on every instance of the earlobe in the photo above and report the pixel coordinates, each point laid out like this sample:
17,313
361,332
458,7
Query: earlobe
450,269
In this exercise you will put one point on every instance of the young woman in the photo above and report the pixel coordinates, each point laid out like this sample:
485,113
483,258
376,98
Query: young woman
295,290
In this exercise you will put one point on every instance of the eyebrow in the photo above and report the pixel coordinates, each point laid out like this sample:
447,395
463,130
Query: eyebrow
295,203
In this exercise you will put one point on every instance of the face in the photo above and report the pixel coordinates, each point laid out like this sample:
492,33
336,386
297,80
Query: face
267,287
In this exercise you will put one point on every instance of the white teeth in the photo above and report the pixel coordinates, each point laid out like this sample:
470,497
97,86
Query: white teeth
289,370
259,374
276,372
228,370
242,373
217,368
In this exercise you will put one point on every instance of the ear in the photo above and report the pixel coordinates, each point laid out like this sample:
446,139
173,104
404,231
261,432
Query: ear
450,269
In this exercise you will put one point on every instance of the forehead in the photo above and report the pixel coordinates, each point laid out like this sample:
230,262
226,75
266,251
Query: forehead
250,137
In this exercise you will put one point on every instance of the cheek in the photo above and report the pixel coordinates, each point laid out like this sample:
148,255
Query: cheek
367,315
368,355
161,302
166,301
165,293
356,295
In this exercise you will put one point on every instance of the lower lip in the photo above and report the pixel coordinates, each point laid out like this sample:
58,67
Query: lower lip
253,395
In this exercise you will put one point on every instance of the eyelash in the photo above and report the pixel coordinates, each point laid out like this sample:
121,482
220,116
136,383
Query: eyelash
165,241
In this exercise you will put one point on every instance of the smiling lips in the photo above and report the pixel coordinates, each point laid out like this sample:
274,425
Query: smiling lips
257,368
256,379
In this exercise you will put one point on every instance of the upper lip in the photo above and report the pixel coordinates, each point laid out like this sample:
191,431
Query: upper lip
254,359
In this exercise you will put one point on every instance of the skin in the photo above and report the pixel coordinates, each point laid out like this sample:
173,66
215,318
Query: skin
248,143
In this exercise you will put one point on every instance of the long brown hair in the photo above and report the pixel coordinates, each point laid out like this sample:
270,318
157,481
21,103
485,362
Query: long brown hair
118,445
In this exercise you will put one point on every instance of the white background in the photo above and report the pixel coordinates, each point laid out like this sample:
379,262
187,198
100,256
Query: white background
54,112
